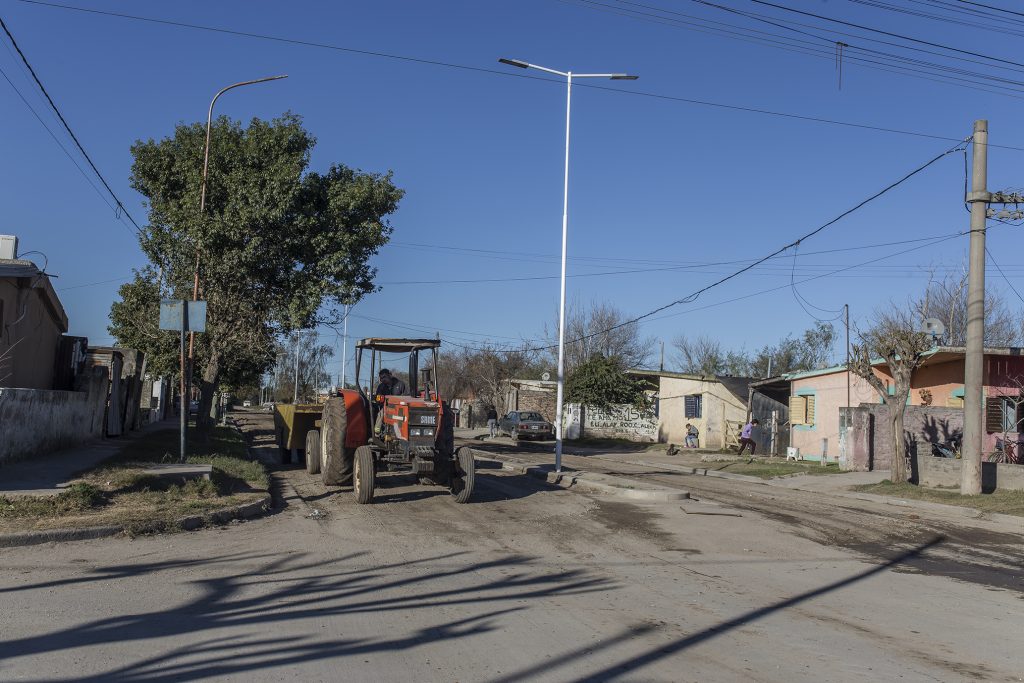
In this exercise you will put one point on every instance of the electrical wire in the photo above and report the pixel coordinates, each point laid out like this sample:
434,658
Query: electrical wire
67,127
693,296
998,9
1009,284
64,149
936,17
931,72
476,69
998,60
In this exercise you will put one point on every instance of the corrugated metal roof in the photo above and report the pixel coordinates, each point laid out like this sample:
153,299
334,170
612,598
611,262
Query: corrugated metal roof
18,268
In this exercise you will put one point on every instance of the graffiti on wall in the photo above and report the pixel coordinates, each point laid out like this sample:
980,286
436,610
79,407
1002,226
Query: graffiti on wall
621,422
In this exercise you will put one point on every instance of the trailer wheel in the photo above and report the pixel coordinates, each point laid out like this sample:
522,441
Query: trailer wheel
313,451
464,475
363,479
335,459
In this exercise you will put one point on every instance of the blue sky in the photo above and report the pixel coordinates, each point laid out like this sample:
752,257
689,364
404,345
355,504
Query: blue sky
654,183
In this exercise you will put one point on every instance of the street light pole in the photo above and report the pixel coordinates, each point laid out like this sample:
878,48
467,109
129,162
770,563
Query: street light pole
202,199
565,229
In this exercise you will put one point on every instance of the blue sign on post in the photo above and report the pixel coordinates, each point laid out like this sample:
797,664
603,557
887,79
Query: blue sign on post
170,315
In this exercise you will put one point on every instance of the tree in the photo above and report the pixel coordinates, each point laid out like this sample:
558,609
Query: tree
599,328
602,382
893,338
701,355
489,370
312,370
946,299
279,248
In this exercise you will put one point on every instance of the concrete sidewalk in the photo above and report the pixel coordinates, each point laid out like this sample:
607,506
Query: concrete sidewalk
50,474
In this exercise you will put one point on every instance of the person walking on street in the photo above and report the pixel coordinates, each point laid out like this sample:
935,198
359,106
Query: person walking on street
747,438
492,421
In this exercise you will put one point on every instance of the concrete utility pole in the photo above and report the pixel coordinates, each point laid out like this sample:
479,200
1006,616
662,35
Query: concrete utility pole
846,322
978,198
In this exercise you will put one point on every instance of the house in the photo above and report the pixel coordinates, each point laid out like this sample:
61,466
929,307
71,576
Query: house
716,405
32,322
816,398
538,395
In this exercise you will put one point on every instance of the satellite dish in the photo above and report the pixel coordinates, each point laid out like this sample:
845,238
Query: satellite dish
933,326
546,376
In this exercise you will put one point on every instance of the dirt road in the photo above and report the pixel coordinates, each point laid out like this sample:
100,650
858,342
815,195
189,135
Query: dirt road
526,583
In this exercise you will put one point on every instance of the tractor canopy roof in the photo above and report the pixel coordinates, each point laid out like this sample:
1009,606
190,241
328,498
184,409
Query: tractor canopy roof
392,345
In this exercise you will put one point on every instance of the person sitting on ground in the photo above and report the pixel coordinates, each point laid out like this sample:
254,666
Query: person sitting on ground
746,437
692,434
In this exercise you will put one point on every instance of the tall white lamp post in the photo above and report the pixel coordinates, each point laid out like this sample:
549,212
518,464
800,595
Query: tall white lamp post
565,225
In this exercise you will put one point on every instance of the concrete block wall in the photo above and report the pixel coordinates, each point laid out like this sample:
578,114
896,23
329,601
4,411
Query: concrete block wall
869,442
945,473
35,422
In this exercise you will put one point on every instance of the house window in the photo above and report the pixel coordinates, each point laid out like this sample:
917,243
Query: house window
692,405
801,410
1003,414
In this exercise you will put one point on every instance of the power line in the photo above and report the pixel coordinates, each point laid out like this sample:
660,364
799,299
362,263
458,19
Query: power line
60,144
67,127
998,9
696,294
889,33
476,69
1009,284
938,73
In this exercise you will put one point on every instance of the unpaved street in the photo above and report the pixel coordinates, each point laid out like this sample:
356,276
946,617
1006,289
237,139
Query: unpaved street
526,583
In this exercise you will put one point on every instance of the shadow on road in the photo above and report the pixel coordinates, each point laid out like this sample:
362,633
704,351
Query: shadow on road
632,664
296,590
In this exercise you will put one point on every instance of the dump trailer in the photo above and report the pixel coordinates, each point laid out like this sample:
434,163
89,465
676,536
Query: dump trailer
360,435
292,423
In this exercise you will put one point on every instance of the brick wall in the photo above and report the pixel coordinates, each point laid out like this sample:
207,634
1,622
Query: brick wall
540,401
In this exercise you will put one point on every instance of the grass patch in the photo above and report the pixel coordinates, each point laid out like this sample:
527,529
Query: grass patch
1005,502
768,469
119,491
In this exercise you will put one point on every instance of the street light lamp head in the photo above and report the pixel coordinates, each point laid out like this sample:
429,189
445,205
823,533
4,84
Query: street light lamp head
515,62
623,77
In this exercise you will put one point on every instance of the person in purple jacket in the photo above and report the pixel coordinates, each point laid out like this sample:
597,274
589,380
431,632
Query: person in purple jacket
746,437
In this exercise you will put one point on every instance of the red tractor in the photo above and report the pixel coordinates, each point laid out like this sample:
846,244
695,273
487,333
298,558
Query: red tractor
362,434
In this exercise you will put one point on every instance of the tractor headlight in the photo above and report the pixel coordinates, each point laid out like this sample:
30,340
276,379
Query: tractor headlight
415,431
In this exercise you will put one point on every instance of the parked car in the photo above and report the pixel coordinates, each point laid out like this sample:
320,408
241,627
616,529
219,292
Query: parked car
247,404
193,407
526,424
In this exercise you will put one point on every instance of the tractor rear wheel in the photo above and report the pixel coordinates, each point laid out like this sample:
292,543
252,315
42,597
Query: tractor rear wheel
335,459
464,475
363,479
313,451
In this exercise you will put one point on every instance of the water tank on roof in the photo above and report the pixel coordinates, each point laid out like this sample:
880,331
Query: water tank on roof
8,247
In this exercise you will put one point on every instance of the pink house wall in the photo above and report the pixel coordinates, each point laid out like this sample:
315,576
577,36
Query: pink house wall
829,391
941,379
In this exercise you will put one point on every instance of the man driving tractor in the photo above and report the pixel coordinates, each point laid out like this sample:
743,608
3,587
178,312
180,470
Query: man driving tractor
388,385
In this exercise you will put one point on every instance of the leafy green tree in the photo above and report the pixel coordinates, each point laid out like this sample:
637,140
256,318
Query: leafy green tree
279,247
602,382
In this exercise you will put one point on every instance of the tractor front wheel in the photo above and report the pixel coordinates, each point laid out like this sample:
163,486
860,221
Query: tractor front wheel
362,479
464,475
313,451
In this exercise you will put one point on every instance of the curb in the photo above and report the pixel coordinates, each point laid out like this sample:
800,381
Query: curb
616,486
955,510
191,523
